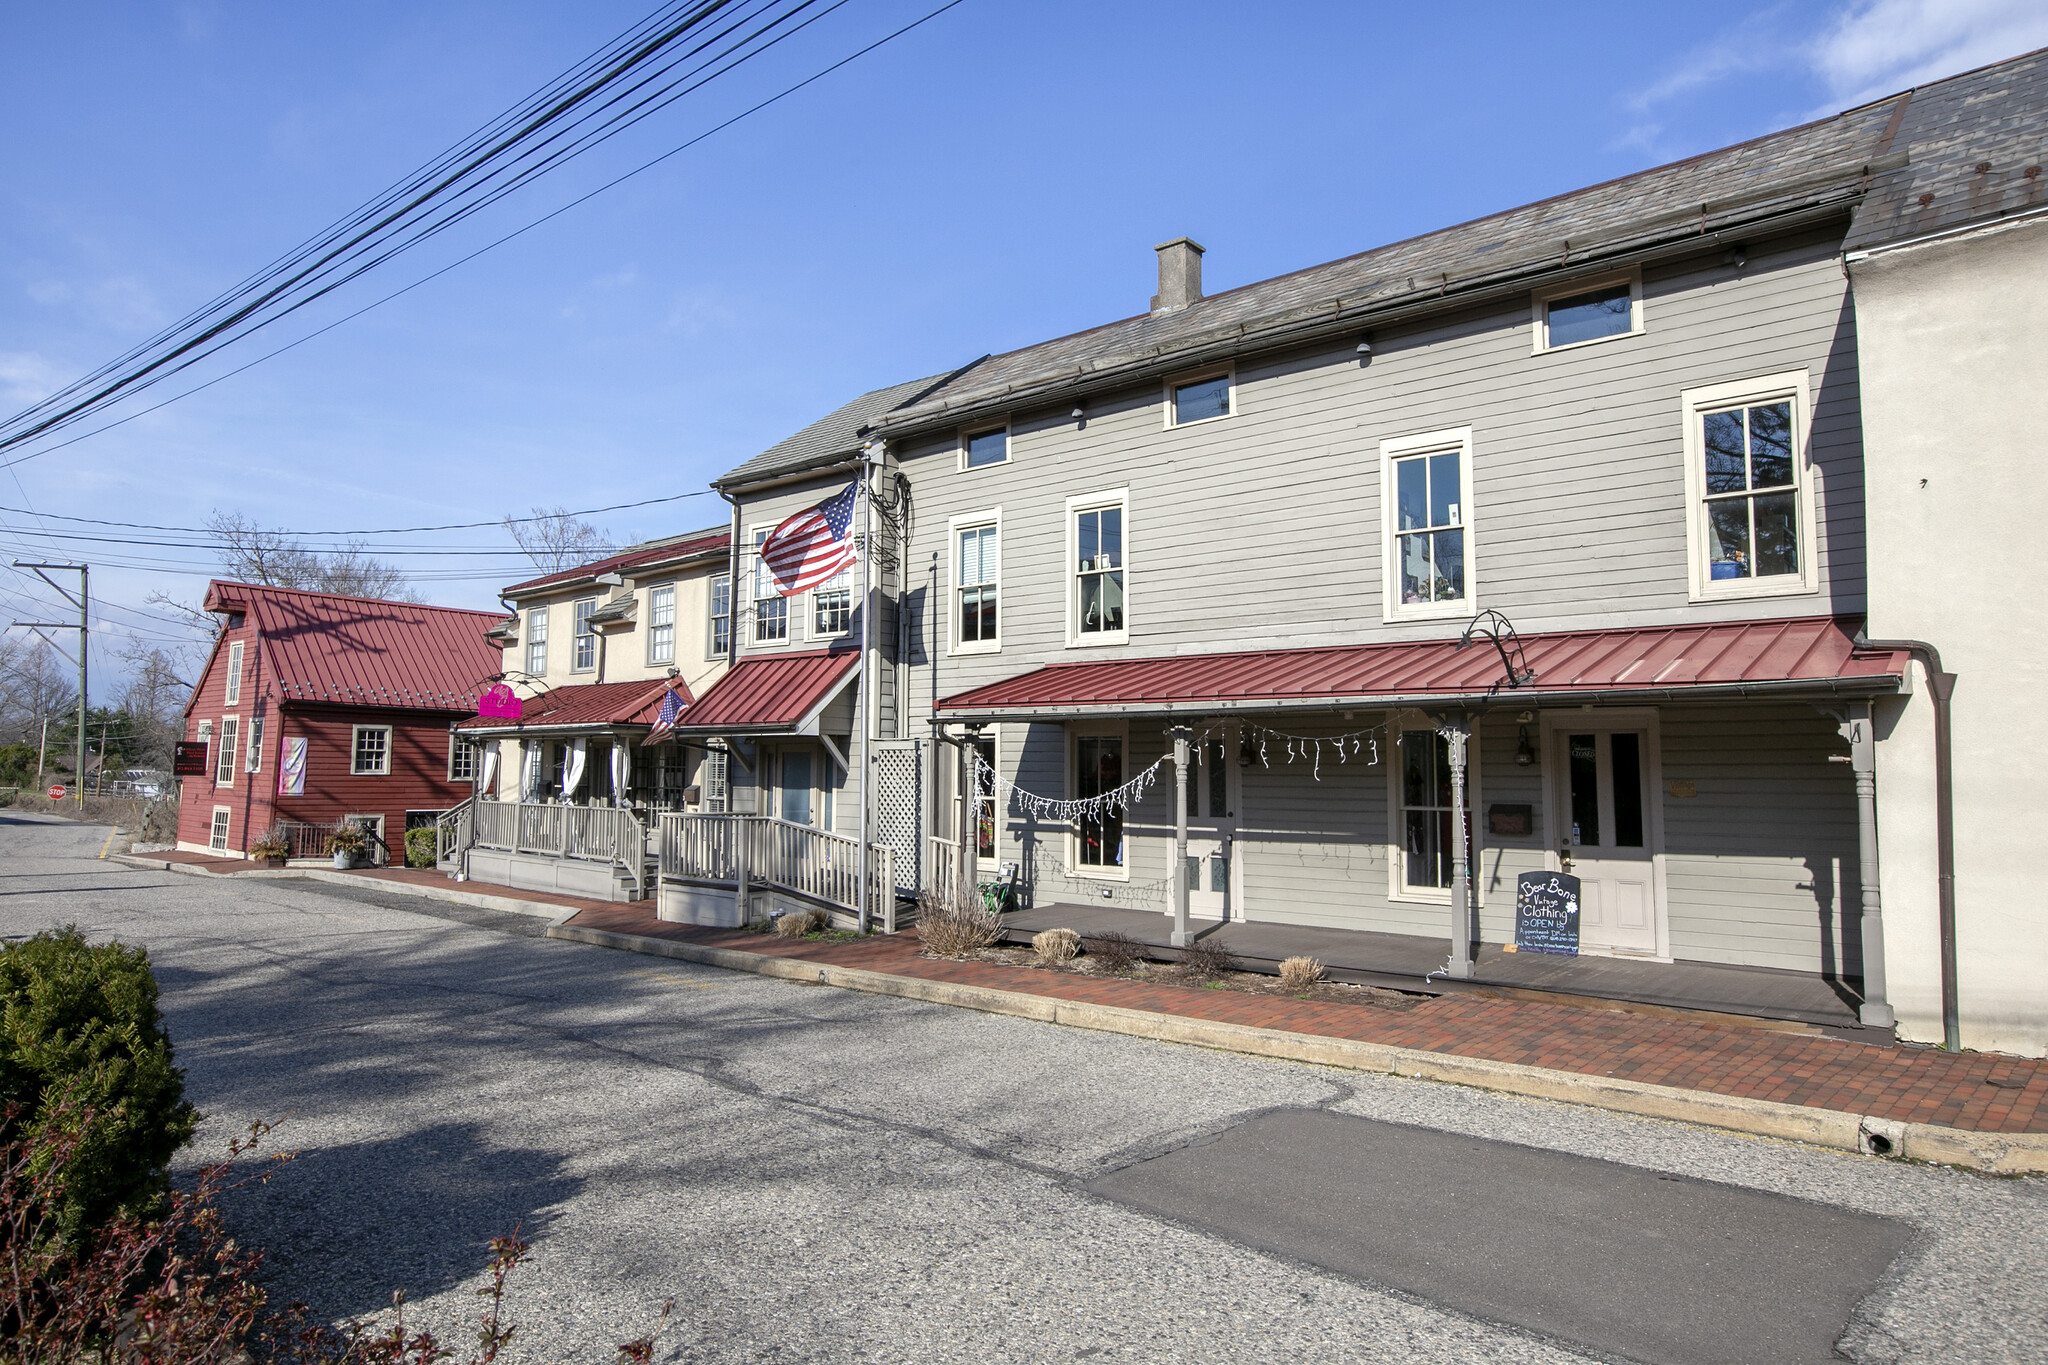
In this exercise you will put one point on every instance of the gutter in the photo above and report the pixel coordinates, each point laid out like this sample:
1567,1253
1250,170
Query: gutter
1943,686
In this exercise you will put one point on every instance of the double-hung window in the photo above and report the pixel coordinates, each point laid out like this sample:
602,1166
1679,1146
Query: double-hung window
370,751
463,758
721,616
224,759
537,641
583,656
1424,829
1425,483
661,624
771,609
832,606
1751,523
1096,596
977,569
252,760
217,834
717,780
234,690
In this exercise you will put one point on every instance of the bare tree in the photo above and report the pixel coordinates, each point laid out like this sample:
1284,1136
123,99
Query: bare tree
154,701
556,540
250,554
36,685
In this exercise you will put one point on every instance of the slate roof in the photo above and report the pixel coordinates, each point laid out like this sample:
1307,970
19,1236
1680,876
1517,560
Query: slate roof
1810,653
586,705
647,554
364,651
833,437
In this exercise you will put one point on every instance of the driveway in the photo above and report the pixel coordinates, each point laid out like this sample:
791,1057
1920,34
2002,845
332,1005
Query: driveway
818,1175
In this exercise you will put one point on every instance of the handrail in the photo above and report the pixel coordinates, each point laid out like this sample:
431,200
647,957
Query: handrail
598,834
455,830
745,851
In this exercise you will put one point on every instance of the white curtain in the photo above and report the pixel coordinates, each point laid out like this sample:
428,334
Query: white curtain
622,768
572,772
487,784
529,769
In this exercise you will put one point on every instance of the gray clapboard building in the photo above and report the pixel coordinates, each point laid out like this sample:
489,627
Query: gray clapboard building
1565,510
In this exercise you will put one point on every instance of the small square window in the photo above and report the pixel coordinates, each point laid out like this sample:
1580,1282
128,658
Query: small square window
372,751
1201,399
1588,310
988,447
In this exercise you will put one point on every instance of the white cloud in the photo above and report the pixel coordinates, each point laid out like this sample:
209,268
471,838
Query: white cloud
121,302
1875,47
26,378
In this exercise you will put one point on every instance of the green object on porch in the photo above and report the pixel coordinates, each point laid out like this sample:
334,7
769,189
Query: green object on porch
1001,897
420,849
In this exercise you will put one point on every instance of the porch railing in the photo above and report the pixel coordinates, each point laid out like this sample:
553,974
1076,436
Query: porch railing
748,851
945,865
454,832
597,834
304,840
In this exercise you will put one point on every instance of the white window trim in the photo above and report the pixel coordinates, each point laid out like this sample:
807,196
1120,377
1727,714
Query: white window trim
456,739
1693,404
1115,497
228,749
1397,842
983,429
233,694
753,567
994,734
533,614
1540,301
354,737
1176,381
1392,608
971,522
810,600
252,746
575,638
731,614
223,819
675,598
1075,867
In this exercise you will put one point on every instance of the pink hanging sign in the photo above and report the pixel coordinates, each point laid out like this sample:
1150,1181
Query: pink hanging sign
498,703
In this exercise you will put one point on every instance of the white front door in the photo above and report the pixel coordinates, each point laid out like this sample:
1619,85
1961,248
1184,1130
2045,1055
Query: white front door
1212,866
1608,835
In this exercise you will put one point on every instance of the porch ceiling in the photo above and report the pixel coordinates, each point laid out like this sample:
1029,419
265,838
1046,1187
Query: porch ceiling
1807,654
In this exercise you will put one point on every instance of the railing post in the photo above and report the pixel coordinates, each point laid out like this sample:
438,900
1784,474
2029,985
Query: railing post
744,825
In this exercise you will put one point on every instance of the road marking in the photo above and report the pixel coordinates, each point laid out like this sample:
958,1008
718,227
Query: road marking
110,841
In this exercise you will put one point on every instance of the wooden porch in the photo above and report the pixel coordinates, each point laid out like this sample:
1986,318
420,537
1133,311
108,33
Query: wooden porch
1406,962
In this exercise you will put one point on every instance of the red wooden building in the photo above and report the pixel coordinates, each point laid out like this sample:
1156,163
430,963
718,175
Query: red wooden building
317,708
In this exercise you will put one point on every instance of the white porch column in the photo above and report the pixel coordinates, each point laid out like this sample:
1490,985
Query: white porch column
1457,733
1182,935
1876,1011
968,849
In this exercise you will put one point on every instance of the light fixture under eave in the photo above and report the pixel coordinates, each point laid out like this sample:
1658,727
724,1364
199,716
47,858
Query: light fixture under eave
1365,345
1525,753
1079,414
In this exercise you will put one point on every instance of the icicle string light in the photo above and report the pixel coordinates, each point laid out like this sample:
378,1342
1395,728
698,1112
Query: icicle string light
1113,802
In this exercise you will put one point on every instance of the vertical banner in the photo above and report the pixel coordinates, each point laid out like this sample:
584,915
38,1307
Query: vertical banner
291,767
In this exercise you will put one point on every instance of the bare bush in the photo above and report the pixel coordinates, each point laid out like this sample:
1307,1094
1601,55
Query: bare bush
1300,973
948,929
1055,946
1116,952
1207,959
797,923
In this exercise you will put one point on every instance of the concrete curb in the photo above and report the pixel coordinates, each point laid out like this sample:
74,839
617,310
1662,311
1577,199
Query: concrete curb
1997,1153
554,914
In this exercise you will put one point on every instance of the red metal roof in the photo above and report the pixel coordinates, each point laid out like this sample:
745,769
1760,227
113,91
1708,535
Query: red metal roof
364,651
776,693
588,704
1738,656
639,556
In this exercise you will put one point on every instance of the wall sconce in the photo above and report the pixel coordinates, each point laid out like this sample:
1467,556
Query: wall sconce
1525,752
1079,414
1365,345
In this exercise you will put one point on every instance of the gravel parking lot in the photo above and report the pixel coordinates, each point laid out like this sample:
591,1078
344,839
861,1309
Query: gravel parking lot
821,1175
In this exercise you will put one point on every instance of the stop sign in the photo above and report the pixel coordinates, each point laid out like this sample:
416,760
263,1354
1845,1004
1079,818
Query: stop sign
57,791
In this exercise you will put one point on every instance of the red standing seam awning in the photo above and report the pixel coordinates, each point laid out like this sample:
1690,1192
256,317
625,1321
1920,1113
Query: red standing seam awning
586,706
1809,654
777,694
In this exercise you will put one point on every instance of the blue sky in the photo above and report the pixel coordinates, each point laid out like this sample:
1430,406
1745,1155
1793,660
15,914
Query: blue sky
994,178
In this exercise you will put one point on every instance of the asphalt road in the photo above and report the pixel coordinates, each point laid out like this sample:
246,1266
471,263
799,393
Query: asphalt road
819,1175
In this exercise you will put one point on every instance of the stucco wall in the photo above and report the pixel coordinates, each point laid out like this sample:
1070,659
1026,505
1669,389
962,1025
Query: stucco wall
1954,355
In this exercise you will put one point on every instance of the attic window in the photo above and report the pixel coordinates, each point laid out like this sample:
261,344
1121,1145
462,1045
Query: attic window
1589,310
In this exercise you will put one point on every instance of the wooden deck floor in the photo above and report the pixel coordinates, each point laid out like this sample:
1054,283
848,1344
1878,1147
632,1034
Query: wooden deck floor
1406,962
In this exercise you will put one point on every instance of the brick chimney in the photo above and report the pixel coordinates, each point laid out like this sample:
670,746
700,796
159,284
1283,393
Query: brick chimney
1180,274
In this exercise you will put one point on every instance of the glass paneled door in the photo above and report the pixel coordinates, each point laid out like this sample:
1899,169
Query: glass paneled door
1212,870
1607,833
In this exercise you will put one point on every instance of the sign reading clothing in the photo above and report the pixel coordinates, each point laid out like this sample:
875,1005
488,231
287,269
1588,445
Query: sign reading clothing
1547,913
291,767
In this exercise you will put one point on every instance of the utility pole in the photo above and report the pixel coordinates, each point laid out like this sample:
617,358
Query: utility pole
41,746
84,627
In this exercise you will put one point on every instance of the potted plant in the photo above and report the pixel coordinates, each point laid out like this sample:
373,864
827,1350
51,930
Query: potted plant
347,844
271,850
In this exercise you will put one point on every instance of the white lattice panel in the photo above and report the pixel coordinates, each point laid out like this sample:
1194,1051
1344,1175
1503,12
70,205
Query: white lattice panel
898,812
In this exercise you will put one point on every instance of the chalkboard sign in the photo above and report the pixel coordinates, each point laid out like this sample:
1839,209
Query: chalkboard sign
1547,913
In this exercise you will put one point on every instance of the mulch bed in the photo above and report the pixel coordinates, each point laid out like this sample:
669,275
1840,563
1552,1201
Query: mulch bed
1174,974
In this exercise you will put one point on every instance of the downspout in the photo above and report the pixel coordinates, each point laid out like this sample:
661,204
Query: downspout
732,584
1943,686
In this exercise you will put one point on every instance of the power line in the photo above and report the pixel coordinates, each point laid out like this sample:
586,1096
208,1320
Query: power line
383,531
12,440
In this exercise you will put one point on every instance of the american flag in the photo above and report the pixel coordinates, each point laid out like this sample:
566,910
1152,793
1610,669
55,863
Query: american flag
813,545
672,705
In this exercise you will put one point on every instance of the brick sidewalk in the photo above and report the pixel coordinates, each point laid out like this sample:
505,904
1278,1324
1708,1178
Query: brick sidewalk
1984,1092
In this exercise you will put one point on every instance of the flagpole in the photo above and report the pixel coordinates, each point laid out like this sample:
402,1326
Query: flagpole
868,455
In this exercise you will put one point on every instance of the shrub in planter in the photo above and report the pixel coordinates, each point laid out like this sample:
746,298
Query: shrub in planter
1300,973
83,1055
422,847
270,848
349,842
1055,946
